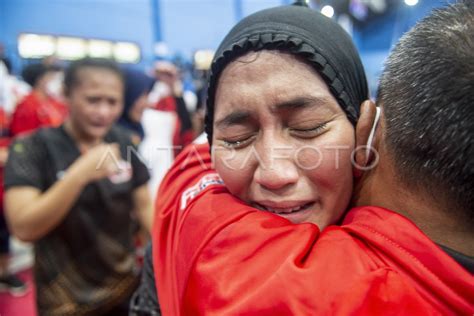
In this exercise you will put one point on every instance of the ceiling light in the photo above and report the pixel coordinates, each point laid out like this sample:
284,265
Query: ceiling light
99,49
411,2
328,11
36,46
71,48
126,52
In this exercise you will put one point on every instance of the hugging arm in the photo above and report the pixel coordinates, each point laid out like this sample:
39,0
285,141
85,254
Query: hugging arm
215,255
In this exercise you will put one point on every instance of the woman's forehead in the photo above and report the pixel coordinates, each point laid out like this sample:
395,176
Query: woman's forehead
259,73
97,74
272,59
257,66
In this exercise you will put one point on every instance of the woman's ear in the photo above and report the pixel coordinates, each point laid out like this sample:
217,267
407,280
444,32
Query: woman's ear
364,126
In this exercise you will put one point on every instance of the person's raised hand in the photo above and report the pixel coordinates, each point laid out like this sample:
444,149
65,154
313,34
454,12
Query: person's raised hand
98,162
168,73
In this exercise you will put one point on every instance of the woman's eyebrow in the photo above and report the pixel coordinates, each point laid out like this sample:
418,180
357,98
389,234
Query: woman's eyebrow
233,118
300,102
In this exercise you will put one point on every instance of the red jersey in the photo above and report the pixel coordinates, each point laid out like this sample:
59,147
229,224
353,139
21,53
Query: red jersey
181,137
215,255
32,113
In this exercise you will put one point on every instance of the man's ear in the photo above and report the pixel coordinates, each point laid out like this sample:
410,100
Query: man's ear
363,128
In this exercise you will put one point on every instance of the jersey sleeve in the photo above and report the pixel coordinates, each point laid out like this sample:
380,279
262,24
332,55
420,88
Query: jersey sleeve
26,163
215,255
204,235
178,189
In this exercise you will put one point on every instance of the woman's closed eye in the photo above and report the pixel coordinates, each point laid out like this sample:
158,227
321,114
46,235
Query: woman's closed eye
237,142
310,131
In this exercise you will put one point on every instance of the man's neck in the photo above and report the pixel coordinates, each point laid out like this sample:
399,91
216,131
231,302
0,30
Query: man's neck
380,187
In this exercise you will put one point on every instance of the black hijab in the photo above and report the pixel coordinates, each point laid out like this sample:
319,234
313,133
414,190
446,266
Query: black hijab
136,84
303,32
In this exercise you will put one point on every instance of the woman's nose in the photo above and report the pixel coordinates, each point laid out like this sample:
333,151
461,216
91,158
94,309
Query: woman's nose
104,109
276,169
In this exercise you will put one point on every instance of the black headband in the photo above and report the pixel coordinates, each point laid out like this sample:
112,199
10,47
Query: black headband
303,32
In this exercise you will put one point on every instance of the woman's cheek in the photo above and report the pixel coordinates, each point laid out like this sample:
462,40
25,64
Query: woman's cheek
235,170
328,165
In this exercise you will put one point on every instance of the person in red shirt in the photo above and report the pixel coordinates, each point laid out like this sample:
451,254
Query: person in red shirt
39,108
173,101
406,245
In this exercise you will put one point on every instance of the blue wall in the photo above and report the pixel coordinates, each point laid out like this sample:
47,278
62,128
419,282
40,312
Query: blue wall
124,20
375,39
188,25
185,25
2,21
251,6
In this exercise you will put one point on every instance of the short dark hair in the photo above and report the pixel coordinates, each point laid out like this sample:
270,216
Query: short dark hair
71,77
7,63
32,73
427,93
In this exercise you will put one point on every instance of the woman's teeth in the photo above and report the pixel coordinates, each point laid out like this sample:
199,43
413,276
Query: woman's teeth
284,210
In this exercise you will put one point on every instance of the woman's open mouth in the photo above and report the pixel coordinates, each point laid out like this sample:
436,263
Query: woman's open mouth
281,210
296,212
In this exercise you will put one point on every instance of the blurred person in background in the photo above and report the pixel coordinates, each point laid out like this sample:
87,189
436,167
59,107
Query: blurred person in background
166,123
137,87
169,96
199,114
51,60
72,191
12,90
201,67
8,281
40,108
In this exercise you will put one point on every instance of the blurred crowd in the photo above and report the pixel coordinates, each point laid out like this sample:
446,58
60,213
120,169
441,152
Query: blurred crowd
86,110
172,93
